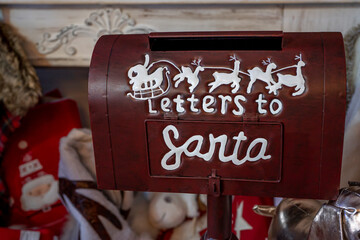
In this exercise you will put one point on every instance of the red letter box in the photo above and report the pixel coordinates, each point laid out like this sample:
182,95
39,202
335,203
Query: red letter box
245,113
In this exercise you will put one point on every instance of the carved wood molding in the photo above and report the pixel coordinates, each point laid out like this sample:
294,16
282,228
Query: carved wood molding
65,35
100,22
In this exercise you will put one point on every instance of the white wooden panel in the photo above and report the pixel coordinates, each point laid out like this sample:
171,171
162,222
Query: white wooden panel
35,21
212,18
75,47
339,18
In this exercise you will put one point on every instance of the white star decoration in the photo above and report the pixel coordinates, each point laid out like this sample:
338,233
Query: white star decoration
240,223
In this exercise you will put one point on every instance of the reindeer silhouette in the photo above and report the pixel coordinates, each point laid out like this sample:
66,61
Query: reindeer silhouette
192,77
227,78
288,80
141,80
257,74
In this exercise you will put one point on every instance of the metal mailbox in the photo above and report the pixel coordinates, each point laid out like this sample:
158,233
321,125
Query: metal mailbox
245,113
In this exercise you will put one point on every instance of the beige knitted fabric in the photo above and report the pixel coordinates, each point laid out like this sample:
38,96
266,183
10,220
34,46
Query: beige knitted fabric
19,85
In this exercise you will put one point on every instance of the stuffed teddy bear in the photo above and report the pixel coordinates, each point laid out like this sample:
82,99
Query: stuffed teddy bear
175,216
169,216
169,210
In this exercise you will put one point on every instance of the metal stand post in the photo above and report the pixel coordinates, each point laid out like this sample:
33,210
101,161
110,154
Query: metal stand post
219,218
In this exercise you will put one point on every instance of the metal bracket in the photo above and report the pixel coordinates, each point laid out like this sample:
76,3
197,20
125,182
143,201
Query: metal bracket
214,184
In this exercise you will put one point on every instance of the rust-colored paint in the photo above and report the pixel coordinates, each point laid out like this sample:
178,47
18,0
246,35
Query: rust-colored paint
304,139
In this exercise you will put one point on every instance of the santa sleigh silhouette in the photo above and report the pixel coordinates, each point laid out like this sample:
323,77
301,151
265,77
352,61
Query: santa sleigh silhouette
144,85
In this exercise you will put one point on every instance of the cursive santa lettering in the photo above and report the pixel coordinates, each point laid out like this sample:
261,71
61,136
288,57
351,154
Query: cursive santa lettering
197,140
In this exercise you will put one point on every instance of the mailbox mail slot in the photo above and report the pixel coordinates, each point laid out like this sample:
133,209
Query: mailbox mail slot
256,113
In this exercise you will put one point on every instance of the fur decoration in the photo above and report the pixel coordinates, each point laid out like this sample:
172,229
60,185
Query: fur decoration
97,217
19,85
350,41
350,163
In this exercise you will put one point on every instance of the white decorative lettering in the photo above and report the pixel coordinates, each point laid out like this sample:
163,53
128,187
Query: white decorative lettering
260,101
224,99
279,106
241,109
197,140
192,101
164,104
207,102
150,107
179,101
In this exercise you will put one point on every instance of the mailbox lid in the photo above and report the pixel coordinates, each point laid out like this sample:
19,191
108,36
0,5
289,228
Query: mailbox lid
310,142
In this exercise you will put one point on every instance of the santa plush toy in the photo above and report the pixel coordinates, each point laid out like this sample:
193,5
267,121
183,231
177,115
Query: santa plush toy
34,189
31,165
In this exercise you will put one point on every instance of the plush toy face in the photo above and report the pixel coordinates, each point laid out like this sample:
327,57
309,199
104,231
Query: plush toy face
167,210
40,190
39,193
